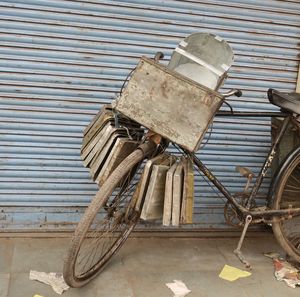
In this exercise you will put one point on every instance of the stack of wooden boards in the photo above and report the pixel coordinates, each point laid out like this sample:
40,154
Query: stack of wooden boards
107,141
166,186
167,189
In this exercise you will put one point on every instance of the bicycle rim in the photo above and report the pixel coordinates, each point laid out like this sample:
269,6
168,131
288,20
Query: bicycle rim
105,225
287,232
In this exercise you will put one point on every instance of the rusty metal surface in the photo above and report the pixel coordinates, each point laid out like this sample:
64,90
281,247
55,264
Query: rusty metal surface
169,104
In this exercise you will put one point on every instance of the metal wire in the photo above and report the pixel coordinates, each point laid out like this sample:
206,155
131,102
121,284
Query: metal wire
126,79
211,126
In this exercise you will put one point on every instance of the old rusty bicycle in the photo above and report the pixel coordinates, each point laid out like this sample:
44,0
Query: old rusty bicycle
115,210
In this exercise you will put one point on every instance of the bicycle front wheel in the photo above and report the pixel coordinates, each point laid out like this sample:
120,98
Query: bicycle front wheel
287,195
106,224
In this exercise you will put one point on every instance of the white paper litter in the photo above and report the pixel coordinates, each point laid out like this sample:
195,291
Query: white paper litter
54,279
178,288
284,271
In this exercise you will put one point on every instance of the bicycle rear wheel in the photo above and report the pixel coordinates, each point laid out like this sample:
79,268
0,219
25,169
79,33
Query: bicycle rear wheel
287,195
106,224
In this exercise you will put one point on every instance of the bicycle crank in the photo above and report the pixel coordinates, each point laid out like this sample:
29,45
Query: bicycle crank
238,251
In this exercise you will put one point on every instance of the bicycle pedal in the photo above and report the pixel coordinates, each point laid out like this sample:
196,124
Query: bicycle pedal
244,171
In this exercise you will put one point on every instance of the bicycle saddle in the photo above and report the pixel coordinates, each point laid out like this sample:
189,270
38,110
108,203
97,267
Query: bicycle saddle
287,101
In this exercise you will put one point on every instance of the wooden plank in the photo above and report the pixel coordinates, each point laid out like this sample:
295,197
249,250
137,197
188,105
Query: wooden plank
164,159
104,108
97,137
186,216
87,145
143,185
177,194
167,216
104,135
298,81
105,117
183,202
122,148
103,150
154,200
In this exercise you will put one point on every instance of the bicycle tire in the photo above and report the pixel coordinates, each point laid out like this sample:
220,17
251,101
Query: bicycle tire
286,194
86,238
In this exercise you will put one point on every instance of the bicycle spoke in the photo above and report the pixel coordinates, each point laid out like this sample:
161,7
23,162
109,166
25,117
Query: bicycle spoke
288,197
292,188
106,231
93,249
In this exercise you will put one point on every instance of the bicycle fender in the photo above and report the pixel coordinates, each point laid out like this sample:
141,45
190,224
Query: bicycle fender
280,172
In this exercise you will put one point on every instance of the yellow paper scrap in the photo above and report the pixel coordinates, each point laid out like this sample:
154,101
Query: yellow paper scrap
37,295
231,273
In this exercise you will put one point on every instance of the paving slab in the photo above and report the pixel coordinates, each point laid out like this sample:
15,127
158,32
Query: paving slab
6,254
39,254
4,284
108,285
144,265
21,286
151,254
203,283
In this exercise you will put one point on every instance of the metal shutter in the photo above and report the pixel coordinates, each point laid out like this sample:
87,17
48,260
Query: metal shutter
61,60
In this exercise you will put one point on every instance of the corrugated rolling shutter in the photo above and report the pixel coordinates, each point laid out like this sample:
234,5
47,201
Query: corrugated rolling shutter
61,60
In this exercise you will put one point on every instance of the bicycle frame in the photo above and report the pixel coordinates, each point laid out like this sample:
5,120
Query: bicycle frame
259,215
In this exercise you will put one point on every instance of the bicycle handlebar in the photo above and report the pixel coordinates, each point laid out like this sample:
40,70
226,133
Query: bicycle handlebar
236,92
158,56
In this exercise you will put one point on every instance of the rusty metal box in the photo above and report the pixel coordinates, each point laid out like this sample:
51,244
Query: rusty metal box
169,104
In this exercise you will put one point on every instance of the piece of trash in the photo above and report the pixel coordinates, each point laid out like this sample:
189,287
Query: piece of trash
231,273
284,271
178,288
38,295
54,279
272,255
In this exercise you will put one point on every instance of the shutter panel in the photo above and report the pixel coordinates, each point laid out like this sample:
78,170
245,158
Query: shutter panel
61,60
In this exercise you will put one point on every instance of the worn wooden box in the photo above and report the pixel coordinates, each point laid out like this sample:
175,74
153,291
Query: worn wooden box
169,104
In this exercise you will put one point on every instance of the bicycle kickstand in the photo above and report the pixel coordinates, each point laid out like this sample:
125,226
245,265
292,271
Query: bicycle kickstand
238,251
